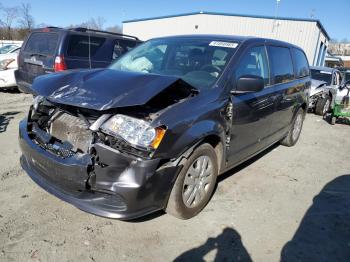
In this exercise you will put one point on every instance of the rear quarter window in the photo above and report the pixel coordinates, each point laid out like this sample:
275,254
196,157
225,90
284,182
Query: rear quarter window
78,45
301,63
282,64
42,43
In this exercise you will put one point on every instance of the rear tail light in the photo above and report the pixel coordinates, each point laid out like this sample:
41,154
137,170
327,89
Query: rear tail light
60,65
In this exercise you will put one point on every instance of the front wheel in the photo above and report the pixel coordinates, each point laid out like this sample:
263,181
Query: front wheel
194,184
323,105
295,130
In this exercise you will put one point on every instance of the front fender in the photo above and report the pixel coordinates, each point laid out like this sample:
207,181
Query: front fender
192,136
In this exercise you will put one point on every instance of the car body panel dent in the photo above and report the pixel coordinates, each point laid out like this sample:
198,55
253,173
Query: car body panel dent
119,88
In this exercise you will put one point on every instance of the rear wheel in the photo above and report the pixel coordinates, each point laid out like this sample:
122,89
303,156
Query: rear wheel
323,105
333,120
194,184
295,130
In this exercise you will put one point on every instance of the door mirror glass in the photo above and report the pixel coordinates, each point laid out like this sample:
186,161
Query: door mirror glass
249,84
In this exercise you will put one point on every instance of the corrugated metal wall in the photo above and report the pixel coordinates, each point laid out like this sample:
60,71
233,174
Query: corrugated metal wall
302,33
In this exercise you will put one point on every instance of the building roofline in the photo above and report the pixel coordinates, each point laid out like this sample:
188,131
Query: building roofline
318,22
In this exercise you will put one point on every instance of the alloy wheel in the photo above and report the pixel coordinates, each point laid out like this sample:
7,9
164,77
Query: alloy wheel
297,126
197,181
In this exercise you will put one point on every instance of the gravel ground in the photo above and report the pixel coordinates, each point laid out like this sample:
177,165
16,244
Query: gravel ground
287,202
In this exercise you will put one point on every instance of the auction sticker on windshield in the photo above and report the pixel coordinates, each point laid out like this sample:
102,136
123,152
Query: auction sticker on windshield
223,44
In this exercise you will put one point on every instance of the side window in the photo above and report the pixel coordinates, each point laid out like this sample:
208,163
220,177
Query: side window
254,62
78,45
301,63
282,64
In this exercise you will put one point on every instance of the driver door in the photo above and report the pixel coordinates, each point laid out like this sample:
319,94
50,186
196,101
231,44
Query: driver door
252,112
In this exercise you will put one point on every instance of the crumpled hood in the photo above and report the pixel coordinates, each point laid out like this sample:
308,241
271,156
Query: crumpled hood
102,89
317,86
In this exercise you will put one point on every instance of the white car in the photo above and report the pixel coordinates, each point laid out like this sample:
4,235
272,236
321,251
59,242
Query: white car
324,87
8,49
8,65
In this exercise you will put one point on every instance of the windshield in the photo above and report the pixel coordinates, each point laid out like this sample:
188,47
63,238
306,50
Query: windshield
321,76
7,48
199,62
347,76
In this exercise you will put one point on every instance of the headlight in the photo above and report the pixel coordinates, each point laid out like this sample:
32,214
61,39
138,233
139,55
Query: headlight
135,131
4,64
37,100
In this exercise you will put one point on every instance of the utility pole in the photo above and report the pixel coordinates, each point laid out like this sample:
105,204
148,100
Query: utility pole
275,22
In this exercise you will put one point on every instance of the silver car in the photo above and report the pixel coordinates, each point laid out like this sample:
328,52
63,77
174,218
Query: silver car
325,84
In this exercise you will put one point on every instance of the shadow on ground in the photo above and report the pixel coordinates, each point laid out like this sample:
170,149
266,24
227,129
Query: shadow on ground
324,232
228,246
5,120
10,91
247,163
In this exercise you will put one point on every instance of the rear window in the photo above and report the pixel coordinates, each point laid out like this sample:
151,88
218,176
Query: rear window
282,64
78,45
121,47
42,43
301,63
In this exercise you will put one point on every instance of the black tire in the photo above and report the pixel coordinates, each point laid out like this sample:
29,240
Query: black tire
176,204
333,120
292,137
323,105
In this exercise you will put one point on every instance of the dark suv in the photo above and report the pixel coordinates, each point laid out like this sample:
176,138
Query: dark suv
52,49
155,129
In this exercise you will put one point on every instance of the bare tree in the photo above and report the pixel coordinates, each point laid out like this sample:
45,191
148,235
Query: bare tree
26,20
9,16
114,29
94,23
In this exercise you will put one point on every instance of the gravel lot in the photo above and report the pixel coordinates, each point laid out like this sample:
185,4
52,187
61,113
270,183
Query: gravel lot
288,202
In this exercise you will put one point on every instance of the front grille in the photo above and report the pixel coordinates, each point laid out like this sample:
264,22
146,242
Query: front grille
60,150
72,129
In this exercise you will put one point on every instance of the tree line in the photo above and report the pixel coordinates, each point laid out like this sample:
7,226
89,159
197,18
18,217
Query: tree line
17,21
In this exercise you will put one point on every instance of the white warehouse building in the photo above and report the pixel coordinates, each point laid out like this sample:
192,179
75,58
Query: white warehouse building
309,34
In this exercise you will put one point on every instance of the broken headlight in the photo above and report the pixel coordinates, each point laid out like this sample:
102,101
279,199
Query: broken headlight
37,100
135,131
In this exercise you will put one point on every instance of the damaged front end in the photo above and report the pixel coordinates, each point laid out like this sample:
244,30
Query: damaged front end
78,155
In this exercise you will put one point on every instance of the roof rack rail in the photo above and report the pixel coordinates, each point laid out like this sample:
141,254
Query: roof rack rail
53,27
84,29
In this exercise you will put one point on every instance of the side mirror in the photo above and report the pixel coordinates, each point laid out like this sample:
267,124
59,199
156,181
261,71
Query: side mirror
248,84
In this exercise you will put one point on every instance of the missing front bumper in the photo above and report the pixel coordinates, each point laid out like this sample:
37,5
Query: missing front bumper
120,186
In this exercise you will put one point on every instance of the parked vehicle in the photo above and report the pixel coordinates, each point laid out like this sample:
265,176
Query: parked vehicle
52,49
8,65
155,129
346,73
325,84
342,105
8,49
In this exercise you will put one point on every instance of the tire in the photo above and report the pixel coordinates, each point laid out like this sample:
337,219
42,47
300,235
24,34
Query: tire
294,133
333,120
192,173
323,105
